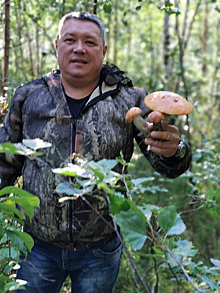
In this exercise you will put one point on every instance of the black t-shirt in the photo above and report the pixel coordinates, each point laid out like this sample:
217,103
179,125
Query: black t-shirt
76,106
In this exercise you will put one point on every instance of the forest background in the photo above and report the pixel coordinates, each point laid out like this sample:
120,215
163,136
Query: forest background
161,45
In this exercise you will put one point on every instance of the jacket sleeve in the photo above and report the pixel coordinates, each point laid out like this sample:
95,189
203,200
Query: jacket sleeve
171,167
11,165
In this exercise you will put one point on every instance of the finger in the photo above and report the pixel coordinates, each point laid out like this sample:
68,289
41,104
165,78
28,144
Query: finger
161,144
165,148
170,128
165,135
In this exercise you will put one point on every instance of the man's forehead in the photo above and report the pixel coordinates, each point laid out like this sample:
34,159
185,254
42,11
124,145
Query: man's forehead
74,25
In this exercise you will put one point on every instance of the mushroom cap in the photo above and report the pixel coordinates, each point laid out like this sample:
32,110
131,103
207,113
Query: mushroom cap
155,116
132,113
168,103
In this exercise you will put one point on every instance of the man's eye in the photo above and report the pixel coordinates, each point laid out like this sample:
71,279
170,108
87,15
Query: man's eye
90,43
69,40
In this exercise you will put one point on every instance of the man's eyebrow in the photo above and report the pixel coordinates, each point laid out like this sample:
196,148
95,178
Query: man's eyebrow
66,34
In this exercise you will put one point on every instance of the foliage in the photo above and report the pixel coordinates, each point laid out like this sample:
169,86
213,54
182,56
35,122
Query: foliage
135,35
16,205
148,230
13,240
139,224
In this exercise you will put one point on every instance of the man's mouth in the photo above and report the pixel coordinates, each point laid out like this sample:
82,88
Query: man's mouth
78,61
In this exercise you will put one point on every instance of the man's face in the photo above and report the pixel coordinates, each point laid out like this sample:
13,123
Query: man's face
80,49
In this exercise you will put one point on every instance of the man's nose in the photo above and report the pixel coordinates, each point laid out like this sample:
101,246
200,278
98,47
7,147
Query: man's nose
79,47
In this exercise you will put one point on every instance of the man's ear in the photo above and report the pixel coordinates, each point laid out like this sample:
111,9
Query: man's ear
104,51
56,46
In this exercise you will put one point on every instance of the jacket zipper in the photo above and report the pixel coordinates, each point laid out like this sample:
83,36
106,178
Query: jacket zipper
71,202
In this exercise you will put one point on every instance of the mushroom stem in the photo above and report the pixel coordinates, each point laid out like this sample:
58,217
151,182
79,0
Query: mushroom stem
139,122
141,125
158,126
156,117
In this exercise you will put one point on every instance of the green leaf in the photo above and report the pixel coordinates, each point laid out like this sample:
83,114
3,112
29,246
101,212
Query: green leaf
118,204
104,166
97,173
170,221
147,210
11,286
209,282
215,262
166,218
217,8
2,232
36,143
67,188
133,228
6,253
184,248
168,4
107,7
178,228
17,191
25,199
73,171
9,208
139,181
19,239
214,195
17,149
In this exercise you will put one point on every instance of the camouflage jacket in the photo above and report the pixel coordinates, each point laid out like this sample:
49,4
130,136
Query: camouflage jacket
39,110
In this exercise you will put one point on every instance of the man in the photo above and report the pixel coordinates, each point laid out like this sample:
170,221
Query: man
79,108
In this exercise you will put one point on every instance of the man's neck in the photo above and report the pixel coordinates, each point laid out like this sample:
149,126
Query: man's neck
79,89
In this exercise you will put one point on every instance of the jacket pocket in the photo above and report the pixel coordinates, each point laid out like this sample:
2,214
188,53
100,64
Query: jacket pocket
112,248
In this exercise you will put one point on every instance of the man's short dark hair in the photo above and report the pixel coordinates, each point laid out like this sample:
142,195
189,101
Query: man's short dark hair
83,16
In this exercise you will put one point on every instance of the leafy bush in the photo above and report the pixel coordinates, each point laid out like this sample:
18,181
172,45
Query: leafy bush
13,240
139,224
152,235
15,205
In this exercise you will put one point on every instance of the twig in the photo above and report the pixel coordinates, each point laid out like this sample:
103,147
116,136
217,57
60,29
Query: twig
193,210
125,184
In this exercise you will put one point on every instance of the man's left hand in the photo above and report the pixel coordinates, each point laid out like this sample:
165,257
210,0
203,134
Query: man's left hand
165,142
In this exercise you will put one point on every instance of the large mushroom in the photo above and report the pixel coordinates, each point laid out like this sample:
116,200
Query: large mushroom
162,104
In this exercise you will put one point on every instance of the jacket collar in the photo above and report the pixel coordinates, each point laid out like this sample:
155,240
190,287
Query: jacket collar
111,79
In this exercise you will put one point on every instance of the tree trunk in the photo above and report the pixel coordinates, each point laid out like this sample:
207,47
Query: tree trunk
167,50
63,8
37,48
129,42
214,87
115,52
7,46
19,27
108,34
30,55
204,38
95,7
